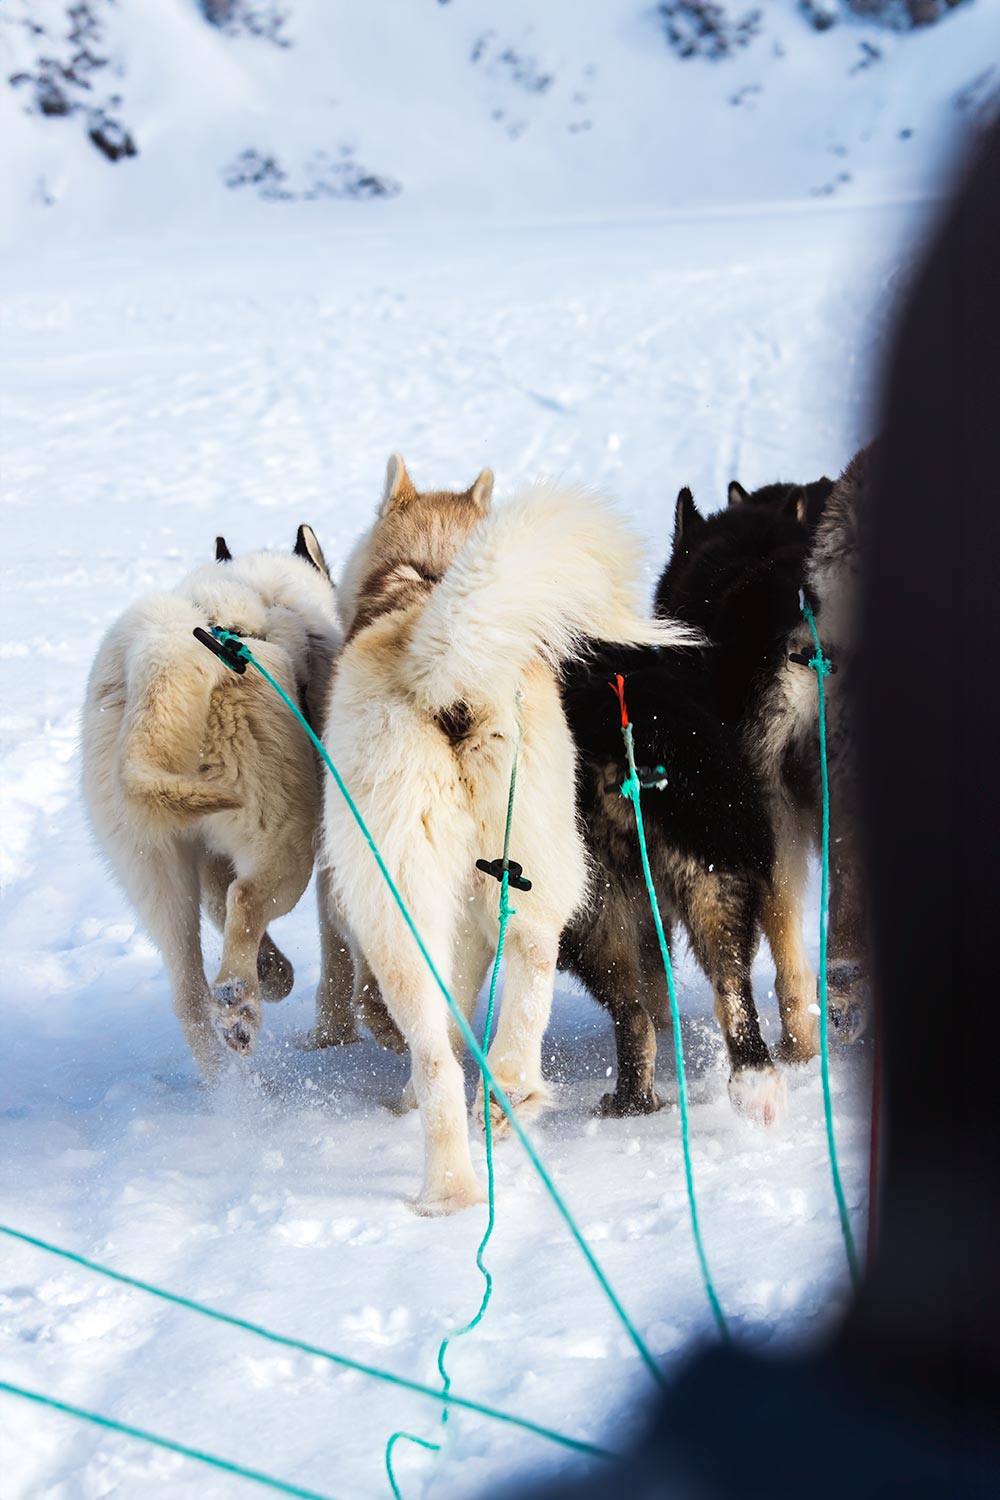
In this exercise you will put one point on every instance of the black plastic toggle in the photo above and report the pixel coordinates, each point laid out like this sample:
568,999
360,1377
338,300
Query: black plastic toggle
494,867
222,649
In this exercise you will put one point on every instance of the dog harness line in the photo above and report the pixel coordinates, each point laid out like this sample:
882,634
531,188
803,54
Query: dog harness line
509,870
631,790
819,664
241,649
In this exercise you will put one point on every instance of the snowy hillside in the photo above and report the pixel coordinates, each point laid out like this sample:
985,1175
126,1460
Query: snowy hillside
470,107
593,256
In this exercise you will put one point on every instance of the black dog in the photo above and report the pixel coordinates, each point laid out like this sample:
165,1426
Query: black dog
740,575
710,850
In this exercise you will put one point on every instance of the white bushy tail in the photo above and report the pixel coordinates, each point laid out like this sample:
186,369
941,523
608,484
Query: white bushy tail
550,569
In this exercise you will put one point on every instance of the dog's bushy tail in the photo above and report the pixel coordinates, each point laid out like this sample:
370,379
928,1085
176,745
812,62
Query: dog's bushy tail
170,680
549,570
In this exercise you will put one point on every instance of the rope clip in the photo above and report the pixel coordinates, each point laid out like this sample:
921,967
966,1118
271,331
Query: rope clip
803,659
495,867
650,778
221,643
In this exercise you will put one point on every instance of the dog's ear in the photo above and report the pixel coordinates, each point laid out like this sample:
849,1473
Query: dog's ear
687,515
398,485
737,494
796,505
481,492
308,547
222,552
817,494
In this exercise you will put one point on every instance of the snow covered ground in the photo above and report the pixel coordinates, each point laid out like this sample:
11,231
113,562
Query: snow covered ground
173,367
149,403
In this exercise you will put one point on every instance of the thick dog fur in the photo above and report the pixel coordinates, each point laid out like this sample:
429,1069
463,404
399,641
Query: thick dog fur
452,612
201,787
786,729
737,574
711,853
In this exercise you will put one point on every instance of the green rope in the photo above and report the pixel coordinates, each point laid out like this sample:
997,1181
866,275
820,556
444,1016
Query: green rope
631,789
506,912
238,646
254,1475
821,666
314,1350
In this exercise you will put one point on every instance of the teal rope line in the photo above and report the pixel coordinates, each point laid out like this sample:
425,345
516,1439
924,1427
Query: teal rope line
253,1475
631,789
314,1350
506,912
239,647
821,666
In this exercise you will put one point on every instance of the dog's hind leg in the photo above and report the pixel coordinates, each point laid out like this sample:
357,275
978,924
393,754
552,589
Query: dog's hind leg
252,899
781,919
607,962
164,885
274,970
515,1056
848,984
474,954
720,911
425,873
336,1020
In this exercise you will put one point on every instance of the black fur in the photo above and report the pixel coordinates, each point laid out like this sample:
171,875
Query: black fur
737,574
804,502
710,850
222,552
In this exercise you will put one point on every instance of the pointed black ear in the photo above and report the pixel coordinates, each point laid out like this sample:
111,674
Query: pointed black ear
308,547
794,505
686,516
737,494
222,552
817,494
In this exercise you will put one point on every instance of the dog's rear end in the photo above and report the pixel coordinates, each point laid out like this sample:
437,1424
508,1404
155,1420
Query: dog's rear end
423,724
202,789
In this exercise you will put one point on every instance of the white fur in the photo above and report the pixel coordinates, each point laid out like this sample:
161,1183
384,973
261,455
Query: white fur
200,784
759,1095
539,575
547,570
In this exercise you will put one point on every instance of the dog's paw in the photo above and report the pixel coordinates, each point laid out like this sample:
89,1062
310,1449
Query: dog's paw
343,1035
274,973
528,1101
239,1020
404,1102
758,1094
848,997
625,1102
449,1197
800,1041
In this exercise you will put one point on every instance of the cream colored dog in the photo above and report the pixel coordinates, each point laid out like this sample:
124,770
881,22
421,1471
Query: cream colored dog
451,613
201,786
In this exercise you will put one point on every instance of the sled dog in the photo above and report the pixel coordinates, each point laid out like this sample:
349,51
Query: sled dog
711,854
785,728
202,789
457,618
738,575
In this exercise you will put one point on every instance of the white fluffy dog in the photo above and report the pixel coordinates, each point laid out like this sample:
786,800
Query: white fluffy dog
450,613
201,786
